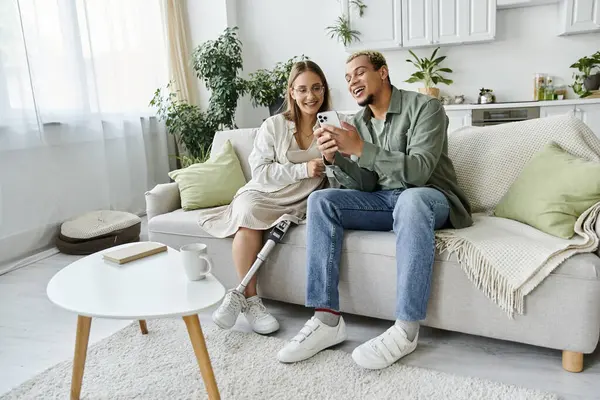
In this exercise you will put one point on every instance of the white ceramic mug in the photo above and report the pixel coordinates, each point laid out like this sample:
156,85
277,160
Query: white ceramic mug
196,262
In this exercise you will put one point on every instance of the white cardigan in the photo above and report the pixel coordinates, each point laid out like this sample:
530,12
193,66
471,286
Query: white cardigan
271,169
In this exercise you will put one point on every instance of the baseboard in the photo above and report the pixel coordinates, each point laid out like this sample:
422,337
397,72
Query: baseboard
4,269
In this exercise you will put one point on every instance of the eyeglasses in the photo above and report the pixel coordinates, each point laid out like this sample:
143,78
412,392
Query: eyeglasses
315,89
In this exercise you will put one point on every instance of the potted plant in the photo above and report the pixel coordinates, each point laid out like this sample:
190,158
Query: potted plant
586,80
429,72
192,128
268,87
218,62
341,28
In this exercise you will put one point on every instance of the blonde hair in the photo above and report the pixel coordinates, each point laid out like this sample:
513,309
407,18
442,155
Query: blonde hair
292,112
376,59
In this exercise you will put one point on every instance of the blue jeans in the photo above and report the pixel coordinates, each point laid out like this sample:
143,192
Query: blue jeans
413,214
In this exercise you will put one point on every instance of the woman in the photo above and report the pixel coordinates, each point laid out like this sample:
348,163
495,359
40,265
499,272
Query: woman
286,168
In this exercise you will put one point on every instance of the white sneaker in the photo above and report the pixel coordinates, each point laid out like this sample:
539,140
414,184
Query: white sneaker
385,349
312,338
258,317
227,313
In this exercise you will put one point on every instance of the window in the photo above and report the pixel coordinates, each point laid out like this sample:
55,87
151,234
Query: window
71,58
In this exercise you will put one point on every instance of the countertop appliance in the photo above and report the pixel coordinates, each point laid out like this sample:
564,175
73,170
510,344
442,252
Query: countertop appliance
495,116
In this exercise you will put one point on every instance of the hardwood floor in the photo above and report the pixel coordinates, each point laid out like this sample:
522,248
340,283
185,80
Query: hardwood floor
34,335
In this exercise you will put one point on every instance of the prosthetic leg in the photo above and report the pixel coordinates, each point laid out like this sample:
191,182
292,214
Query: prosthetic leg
237,300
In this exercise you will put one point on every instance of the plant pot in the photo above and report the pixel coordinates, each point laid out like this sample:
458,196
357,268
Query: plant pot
433,92
592,82
276,107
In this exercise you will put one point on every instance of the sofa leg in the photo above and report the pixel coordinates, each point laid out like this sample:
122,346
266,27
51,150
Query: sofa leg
572,361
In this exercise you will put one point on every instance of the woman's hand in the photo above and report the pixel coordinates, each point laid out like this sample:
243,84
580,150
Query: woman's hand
316,168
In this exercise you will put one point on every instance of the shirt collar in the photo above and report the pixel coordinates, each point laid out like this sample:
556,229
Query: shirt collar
395,106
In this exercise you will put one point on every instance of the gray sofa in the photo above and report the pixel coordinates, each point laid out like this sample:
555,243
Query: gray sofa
562,313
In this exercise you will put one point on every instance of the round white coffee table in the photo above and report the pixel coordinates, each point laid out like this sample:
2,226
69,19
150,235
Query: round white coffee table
152,287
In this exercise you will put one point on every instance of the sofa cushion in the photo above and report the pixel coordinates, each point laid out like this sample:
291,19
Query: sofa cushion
179,223
211,183
552,205
487,163
242,141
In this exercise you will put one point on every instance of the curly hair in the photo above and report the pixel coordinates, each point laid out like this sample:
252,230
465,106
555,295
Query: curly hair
376,59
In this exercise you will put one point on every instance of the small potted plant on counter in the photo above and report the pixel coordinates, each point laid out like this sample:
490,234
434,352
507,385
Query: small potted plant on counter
267,87
588,79
429,72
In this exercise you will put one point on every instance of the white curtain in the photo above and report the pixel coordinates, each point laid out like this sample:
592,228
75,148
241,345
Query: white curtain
76,133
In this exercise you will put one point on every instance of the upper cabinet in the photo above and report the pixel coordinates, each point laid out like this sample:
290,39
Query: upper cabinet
579,16
463,21
379,27
391,24
417,27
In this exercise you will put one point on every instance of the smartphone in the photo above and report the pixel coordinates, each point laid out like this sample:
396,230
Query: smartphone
329,118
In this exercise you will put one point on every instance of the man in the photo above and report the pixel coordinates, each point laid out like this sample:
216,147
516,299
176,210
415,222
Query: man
399,178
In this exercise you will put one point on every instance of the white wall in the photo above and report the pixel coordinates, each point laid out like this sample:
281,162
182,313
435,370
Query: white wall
526,43
206,21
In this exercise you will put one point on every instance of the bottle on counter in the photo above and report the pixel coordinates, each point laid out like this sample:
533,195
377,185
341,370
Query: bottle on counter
539,81
549,89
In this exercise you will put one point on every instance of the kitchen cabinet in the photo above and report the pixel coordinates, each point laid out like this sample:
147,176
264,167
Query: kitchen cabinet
394,24
504,4
379,27
588,113
416,23
439,22
551,111
457,119
579,16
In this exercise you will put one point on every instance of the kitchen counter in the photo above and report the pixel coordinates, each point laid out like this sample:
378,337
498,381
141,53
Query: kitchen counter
549,103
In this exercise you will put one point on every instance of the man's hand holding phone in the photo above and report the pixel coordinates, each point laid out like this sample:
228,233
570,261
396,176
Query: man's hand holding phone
331,139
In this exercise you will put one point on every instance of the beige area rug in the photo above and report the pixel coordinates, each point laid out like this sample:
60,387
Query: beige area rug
161,365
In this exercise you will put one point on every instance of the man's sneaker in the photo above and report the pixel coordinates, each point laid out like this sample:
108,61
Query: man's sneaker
385,349
312,338
227,313
258,317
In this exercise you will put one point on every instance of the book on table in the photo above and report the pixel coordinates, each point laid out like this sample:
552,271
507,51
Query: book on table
134,252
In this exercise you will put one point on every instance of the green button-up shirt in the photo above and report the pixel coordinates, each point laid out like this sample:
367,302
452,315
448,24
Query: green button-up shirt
411,151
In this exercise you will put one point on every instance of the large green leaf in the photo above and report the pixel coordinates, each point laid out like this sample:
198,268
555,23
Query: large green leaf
415,56
438,60
413,79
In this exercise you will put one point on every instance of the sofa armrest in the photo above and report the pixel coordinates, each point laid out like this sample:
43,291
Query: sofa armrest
162,199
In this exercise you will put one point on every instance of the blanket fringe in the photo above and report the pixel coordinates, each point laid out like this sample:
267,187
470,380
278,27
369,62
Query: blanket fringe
485,277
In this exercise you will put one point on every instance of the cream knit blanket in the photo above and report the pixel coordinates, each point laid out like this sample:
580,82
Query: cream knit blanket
507,259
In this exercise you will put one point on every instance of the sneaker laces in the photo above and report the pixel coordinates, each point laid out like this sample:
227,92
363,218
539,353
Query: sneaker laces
256,308
234,300
309,327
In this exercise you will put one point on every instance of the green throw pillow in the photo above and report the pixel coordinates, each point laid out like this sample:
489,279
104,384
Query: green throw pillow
552,191
211,183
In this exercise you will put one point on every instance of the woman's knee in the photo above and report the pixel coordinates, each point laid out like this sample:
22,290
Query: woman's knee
248,233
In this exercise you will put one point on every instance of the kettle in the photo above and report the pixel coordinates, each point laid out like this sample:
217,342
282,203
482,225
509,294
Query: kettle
486,96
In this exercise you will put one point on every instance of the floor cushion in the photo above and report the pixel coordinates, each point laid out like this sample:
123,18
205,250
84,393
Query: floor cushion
98,230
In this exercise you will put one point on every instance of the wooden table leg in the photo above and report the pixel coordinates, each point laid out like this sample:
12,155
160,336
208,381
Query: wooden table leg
195,331
81,344
143,327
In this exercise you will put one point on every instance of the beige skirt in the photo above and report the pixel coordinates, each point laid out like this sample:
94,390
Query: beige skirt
259,210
